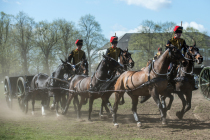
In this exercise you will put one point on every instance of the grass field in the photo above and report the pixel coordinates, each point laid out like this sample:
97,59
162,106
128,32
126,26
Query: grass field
15,125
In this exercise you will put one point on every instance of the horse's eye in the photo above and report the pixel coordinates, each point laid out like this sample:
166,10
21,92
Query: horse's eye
107,65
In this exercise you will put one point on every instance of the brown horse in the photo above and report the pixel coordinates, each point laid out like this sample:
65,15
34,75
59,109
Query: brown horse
81,84
128,63
138,83
184,81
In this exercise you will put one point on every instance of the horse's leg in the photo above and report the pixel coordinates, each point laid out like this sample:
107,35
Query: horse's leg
134,109
70,97
171,99
180,114
144,99
63,102
80,106
115,108
32,102
57,99
85,102
157,100
101,110
26,106
122,101
107,103
90,107
74,103
188,99
43,111
163,98
52,107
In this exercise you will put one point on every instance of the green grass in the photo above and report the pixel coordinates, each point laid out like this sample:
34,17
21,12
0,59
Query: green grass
39,128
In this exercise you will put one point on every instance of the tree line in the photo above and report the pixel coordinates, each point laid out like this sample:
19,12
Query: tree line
27,47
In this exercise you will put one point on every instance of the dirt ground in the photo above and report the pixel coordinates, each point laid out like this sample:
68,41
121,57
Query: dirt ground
195,123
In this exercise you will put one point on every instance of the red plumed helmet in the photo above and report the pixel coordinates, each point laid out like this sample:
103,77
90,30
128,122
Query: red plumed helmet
79,42
159,49
178,29
114,39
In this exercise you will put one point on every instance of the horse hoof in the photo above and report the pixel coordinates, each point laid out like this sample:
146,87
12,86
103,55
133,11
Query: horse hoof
57,115
90,120
116,125
32,113
43,114
164,122
179,115
110,116
139,124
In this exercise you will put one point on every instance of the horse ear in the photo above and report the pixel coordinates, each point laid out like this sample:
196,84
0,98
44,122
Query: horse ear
127,50
62,61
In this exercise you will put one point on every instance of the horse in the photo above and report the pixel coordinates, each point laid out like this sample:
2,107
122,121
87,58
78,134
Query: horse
81,68
81,85
127,61
184,81
41,83
150,81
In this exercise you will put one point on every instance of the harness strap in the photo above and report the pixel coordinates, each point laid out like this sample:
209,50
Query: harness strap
149,70
131,81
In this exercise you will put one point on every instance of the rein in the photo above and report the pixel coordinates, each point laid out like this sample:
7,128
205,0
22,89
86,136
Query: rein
159,73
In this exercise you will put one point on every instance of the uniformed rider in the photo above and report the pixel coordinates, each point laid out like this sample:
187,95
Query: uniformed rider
158,53
77,55
113,51
180,43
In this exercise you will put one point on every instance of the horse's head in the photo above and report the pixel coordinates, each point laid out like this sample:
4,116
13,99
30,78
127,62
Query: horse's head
193,51
111,64
67,67
126,59
82,67
176,54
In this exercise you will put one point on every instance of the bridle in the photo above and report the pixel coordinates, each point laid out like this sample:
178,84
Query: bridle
190,60
126,60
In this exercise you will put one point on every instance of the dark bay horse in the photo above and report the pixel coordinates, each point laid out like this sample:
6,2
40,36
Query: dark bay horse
41,84
146,82
184,81
128,63
81,84
81,68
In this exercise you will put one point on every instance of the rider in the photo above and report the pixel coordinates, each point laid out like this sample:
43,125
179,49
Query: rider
158,53
113,51
77,54
180,44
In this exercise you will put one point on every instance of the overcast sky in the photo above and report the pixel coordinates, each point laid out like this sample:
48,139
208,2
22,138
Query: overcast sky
120,16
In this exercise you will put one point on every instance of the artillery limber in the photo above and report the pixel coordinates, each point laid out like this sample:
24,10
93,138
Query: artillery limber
16,88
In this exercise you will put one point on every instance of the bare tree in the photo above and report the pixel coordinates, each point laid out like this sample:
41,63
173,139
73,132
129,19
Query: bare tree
5,21
68,34
93,39
46,38
23,38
